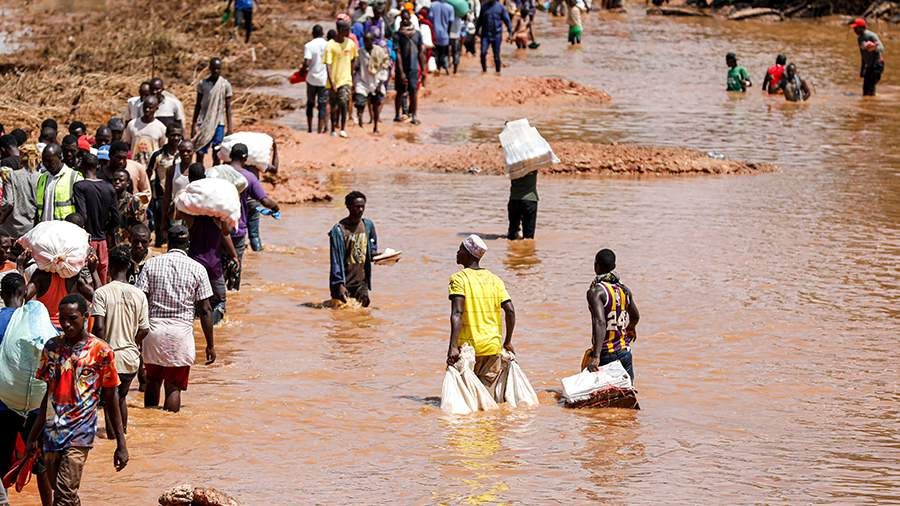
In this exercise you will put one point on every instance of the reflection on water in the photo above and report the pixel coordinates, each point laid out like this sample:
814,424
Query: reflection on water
766,358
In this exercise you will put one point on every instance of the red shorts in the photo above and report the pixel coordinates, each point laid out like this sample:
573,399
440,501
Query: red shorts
102,250
175,376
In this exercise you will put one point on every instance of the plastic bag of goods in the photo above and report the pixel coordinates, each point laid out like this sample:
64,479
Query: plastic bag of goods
468,390
57,246
230,174
609,386
259,147
460,6
512,385
28,331
524,149
213,197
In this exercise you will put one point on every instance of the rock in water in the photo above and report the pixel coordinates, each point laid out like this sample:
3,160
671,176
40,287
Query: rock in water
196,496
204,496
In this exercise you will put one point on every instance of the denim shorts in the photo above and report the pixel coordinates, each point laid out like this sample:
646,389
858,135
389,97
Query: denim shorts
217,139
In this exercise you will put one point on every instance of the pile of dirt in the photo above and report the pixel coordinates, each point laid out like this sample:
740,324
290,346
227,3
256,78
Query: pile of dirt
186,495
600,159
508,91
542,89
84,64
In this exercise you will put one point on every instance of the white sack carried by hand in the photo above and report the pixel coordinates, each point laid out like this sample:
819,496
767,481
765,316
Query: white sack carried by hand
213,197
57,246
455,397
259,148
513,386
466,367
230,174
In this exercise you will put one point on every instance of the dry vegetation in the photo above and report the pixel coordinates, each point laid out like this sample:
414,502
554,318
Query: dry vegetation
85,63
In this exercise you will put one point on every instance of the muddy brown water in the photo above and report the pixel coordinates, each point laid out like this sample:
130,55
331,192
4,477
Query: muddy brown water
767,361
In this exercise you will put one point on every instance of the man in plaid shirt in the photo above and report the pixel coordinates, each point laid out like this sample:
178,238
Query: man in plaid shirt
177,288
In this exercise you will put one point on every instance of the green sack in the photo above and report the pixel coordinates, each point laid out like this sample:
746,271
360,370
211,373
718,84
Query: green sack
226,16
28,331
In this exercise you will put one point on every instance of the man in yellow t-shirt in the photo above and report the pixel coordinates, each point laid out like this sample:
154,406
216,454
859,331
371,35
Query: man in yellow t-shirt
477,297
340,53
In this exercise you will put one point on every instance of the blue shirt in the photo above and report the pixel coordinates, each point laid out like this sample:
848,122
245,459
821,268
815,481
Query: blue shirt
243,5
441,15
5,315
493,17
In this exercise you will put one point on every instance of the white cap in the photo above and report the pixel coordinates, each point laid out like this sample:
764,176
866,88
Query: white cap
475,245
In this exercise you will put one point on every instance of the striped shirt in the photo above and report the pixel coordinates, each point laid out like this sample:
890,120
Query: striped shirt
174,283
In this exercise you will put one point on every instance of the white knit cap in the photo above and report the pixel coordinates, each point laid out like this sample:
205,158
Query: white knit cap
475,245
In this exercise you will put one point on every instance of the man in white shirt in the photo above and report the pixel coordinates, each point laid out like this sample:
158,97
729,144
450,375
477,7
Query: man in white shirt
170,110
145,134
133,110
316,78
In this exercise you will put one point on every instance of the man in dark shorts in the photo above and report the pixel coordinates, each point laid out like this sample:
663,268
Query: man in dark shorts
121,319
614,317
410,59
353,244
371,77
316,79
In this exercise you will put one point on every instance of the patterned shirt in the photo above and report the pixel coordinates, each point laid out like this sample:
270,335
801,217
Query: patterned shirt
75,376
174,283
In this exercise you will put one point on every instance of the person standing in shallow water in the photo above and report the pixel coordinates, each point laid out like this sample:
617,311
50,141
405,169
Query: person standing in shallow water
614,317
353,243
477,298
522,206
871,53
738,78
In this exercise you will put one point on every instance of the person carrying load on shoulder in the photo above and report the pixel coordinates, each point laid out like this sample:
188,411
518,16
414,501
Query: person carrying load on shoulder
614,317
477,297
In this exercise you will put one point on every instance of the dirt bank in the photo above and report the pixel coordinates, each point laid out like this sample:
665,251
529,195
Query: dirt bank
601,159
504,91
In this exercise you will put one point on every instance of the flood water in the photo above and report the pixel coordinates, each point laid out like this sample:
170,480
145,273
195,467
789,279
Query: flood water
767,358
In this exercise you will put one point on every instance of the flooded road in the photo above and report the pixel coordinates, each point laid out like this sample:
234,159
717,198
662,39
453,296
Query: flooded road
767,359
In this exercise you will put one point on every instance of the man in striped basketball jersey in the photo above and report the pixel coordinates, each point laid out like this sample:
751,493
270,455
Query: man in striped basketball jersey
614,316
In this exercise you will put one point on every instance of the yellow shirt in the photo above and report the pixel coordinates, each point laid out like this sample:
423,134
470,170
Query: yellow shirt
482,325
340,57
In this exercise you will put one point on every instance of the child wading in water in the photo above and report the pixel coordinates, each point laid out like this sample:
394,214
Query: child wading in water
520,29
576,9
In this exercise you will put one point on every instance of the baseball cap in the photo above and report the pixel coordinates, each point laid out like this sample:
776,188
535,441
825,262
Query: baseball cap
858,23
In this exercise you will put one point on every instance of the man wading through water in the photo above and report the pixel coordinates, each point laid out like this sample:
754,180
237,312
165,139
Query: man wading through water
477,297
614,317
871,53
353,244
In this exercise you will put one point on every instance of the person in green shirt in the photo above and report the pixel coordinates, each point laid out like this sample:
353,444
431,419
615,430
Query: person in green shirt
522,206
738,77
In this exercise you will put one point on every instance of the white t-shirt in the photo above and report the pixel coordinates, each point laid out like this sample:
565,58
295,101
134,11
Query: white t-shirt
314,51
133,110
144,138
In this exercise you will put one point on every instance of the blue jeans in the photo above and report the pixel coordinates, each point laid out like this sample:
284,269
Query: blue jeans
623,356
494,42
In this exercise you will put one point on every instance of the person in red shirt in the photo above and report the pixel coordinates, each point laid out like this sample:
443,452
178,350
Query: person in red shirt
77,367
774,75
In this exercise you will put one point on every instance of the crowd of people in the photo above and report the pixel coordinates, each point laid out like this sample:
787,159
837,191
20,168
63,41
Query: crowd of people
374,47
129,314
